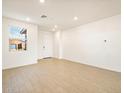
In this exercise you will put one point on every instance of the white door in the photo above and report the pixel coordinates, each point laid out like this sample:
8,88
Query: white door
46,44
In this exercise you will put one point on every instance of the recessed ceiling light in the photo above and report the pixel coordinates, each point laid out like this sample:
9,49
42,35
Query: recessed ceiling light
42,1
27,19
75,18
56,26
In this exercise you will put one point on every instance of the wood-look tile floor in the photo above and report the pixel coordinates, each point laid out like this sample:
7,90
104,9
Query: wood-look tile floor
60,76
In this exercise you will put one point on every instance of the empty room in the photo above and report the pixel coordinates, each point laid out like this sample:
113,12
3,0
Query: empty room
61,46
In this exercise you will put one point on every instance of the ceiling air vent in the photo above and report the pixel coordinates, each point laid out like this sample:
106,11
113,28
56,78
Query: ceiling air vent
43,16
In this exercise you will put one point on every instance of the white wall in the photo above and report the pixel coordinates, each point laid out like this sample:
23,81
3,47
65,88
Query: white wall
57,45
85,44
45,38
19,58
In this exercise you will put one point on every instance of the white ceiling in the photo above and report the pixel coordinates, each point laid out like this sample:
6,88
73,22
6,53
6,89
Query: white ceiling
61,12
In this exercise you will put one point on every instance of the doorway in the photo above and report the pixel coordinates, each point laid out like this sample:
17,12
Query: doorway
45,44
